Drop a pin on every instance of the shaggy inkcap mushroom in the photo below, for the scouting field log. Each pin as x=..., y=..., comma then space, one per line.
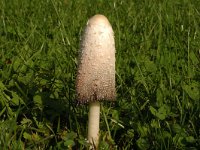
x=96, y=71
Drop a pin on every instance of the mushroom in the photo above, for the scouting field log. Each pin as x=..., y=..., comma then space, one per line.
x=95, y=79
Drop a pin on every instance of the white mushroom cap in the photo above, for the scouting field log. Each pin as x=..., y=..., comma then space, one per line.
x=96, y=71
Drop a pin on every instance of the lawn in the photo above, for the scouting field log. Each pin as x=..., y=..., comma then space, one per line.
x=157, y=75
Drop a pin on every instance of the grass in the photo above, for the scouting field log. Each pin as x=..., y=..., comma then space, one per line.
x=157, y=75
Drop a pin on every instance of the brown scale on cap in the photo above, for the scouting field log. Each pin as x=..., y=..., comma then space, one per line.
x=96, y=71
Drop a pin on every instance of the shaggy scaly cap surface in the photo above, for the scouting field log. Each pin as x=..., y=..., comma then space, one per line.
x=96, y=71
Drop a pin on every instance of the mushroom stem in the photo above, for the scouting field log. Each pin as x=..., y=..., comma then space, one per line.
x=93, y=124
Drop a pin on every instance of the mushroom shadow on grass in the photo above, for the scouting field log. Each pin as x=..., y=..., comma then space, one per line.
x=95, y=80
